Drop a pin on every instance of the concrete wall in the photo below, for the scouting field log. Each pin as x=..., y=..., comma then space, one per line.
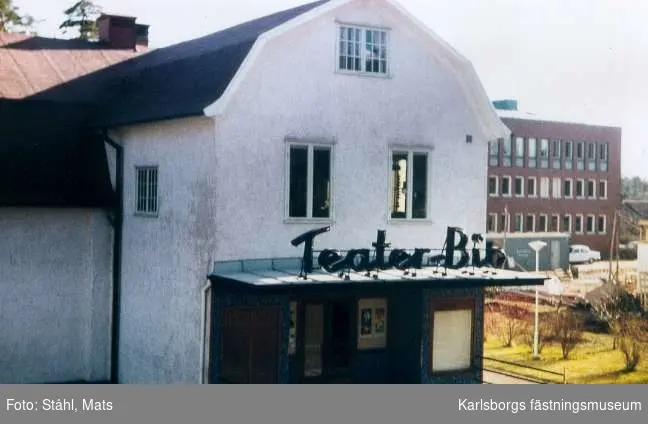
x=55, y=295
x=166, y=258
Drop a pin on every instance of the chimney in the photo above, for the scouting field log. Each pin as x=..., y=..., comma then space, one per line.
x=121, y=32
x=141, y=35
x=508, y=104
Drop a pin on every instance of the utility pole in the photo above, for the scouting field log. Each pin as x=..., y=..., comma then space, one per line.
x=617, y=217
x=506, y=226
x=613, y=238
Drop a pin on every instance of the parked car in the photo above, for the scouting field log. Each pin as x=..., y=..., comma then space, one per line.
x=579, y=253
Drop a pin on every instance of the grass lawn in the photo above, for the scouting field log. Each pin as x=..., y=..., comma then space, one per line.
x=592, y=362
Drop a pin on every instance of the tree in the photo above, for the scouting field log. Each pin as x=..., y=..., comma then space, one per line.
x=623, y=314
x=634, y=188
x=567, y=328
x=82, y=14
x=616, y=307
x=544, y=332
x=633, y=341
x=511, y=323
x=12, y=20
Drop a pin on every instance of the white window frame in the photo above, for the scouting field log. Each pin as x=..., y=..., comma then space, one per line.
x=496, y=178
x=515, y=223
x=604, y=224
x=605, y=192
x=594, y=189
x=151, y=192
x=495, y=217
x=312, y=145
x=544, y=195
x=535, y=187
x=533, y=226
x=571, y=188
x=556, y=185
x=521, y=180
x=584, y=189
x=438, y=333
x=546, y=226
x=558, y=222
x=579, y=230
x=363, y=53
x=410, y=175
x=569, y=225
x=593, y=229
x=510, y=186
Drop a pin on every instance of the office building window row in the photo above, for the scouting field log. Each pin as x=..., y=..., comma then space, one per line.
x=545, y=153
x=547, y=223
x=546, y=188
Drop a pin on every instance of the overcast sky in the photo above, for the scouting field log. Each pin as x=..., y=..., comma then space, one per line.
x=578, y=60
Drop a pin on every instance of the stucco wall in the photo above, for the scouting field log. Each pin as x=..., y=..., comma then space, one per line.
x=293, y=90
x=55, y=297
x=222, y=182
x=166, y=258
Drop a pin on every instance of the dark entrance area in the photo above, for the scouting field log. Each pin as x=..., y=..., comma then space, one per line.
x=341, y=339
x=328, y=342
x=249, y=345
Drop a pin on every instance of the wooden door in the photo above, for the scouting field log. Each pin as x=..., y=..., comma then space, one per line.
x=250, y=345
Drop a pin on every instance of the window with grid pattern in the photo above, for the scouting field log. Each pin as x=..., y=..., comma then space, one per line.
x=309, y=181
x=362, y=50
x=147, y=190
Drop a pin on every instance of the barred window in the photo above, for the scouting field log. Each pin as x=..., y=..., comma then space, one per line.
x=147, y=190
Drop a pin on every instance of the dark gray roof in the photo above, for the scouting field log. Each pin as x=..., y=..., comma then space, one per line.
x=47, y=158
x=49, y=155
x=176, y=81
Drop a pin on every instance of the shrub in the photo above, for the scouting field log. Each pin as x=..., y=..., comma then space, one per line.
x=567, y=330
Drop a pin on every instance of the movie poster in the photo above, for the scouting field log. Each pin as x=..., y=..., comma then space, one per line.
x=365, y=322
x=379, y=325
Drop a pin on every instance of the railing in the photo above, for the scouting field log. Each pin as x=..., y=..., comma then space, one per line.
x=550, y=375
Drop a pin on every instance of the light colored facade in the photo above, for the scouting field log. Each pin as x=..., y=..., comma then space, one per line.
x=55, y=279
x=295, y=142
x=223, y=181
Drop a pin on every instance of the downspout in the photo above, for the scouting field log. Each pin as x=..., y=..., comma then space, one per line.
x=205, y=330
x=117, y=258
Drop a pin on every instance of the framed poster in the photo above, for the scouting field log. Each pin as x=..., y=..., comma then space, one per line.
x=372, y=323
x=365, y=322
x=379, y=323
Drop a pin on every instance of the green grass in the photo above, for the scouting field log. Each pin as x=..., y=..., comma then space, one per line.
x=593, y=361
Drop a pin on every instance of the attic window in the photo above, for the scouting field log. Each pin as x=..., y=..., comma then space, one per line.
x=147, y=190
x=362, y=50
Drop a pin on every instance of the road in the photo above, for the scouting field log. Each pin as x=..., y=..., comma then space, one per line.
x=491, y=377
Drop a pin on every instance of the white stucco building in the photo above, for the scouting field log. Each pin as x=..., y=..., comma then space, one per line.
x=348, y=113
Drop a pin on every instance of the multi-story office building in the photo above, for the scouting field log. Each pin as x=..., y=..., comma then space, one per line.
x=554, y=176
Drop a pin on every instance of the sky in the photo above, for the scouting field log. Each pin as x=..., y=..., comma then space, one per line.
x=572, y=60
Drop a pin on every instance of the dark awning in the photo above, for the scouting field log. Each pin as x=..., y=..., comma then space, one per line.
x=284, y=274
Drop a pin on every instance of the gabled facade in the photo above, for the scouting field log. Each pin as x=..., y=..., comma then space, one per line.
x=348, y=114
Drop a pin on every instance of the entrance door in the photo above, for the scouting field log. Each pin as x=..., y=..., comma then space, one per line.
x=328, y=341
x=555, y=254
x=338, y=362
x=249, y=345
